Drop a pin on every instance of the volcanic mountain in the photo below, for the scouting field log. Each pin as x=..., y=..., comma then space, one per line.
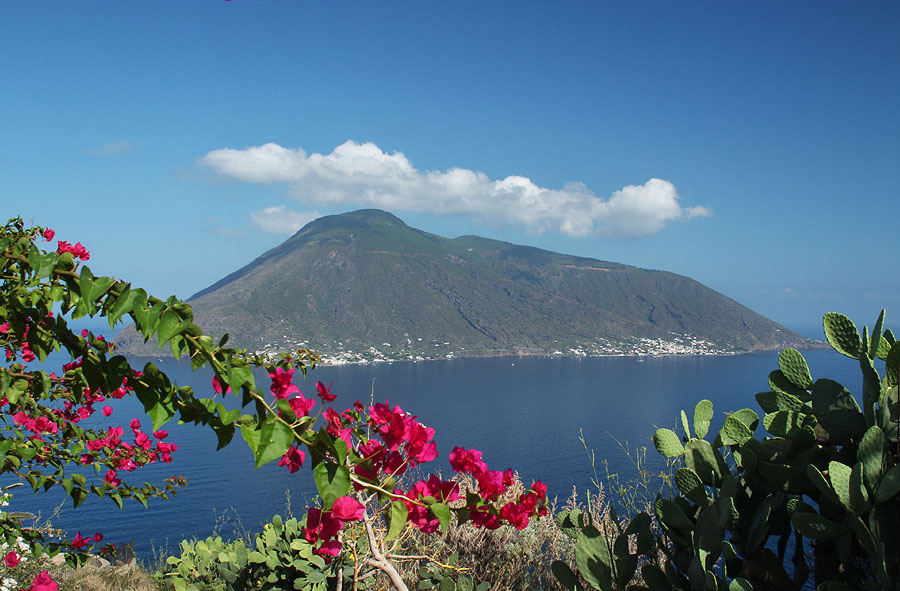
x=364, y=285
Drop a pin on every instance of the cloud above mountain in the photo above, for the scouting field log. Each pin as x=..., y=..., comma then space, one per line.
x=364, y=175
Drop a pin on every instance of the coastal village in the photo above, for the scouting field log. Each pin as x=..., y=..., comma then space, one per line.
x=340, y=354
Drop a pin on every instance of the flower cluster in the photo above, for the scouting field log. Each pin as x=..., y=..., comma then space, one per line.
x=386, y=442
x=323, y=526
x=78, y=251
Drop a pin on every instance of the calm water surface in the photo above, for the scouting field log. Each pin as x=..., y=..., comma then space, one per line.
x=523, y=413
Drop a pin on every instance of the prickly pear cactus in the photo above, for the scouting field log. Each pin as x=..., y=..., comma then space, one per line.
x=607, y=561
x=824, y=472
x=209, y=564
x=283, y=559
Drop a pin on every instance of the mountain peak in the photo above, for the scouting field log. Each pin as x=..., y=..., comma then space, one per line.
x=352, y=219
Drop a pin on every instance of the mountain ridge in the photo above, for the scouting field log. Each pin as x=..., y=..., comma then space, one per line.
x=364, y=285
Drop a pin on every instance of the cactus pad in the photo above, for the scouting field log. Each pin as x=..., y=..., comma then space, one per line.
x=842, y=334
x=668, y=443
x=795, y=369
x=703, y=414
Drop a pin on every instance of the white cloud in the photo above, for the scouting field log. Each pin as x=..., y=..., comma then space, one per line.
x=113, y=148
x=281, y=220
x=364, y=175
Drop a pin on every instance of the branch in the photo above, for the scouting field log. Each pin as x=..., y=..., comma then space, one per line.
x=378, y=560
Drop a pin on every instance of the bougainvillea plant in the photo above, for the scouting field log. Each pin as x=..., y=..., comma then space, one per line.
x=357, y=455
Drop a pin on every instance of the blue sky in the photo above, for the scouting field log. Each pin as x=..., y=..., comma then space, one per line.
x=751, y=146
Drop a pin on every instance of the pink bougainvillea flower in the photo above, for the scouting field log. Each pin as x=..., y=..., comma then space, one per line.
x=467, y=460
x=98, y=537
x=78, y=251
x=348, y=509
x=43, y=582
x=328, y=549
x=321, y=526
x=11, y=559
x=292, y=459
x=217, y=386
x=79, y=542
x=4, y=328
x=111, y=478
x=161, y=434
x=49, y=234
x=516, y=515
x=490, y=484
x=107, y=410
x=281, y=383
x=134, y=424
x=301, y=406
x=325, y=393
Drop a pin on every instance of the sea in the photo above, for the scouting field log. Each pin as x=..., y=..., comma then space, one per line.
x=566, y=421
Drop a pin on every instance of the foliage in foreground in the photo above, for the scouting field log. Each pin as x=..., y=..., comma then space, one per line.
x=357, y=455
x=817, y=497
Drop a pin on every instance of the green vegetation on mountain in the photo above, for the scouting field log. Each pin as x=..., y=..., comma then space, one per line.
x=365, y=280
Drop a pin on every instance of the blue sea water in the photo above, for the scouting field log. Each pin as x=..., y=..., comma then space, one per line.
x=524, y=413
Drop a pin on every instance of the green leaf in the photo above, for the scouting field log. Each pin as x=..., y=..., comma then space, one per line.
x=442, y=512
x=160, y=413
x=251, y=436
x=668, y=443
x=169, y=326
x=79, y=495
x=842, y=334
x=397, y=516
x=274, y=440
x=703, y=414
x=332, y=481
x=794, y=368
x=46, y=265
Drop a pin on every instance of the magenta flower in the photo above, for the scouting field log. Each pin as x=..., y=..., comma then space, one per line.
x=467, y=460
x=281, y=383
x=292, y=459
x=43, y=582
x=325, y=393
x=516, y=515
x=217, y=386
x=348, y=509
x=301, y=405
x=79, y=542
x=11, y=559
x=161, y=434
x=49, y=234
x=107, y=410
